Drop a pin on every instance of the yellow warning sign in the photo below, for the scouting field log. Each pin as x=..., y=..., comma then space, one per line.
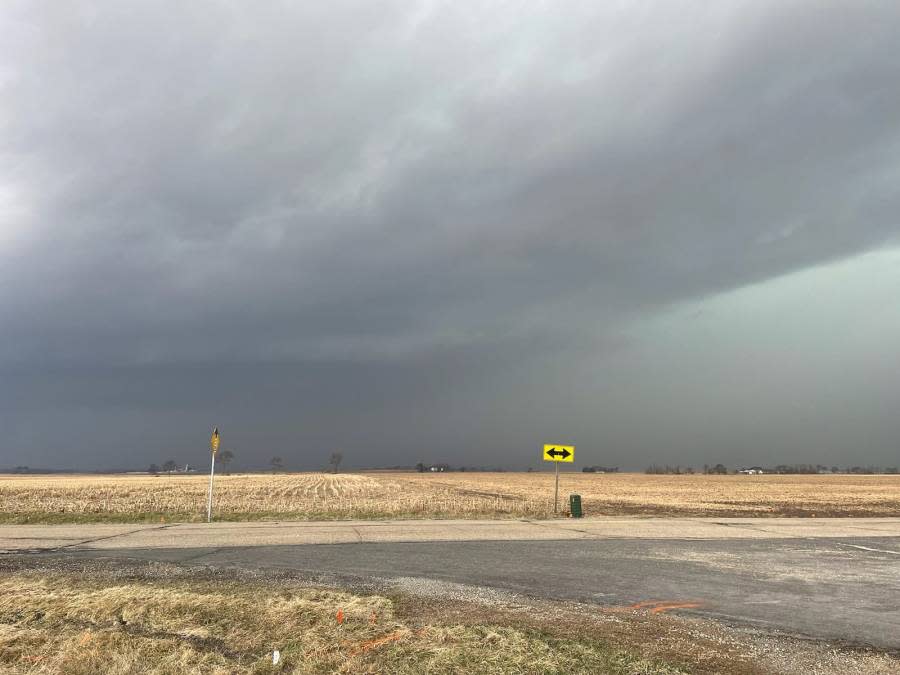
x=214, y=440
x=559, y=453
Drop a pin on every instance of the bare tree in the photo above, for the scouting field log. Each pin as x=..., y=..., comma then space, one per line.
x=169, y=465
x=335, y=461
x=277, y=463
x=225, y=458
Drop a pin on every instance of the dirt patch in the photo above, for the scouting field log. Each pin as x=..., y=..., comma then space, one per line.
x=695, y=645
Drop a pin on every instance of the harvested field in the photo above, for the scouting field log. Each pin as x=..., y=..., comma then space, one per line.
x=127, y=498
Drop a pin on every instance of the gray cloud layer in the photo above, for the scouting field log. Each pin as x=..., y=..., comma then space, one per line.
x=367, y=224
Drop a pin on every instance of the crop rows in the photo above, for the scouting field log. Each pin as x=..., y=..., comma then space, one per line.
x=449, y=495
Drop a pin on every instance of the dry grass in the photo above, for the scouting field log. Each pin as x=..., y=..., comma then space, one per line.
x=58, y=615
x=64, y=623
x=448, y=495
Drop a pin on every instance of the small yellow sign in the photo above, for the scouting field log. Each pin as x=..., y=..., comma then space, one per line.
x=559, y=453
x=214, y=440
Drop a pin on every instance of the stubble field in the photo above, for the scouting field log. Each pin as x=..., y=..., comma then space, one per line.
x=309, y=496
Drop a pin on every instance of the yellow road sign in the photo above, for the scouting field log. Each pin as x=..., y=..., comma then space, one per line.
x=214, y=440
x=559, y=453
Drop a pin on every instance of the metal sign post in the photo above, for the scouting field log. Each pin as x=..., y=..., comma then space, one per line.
x=556, y=491
x=557, y=454
x=214, y=446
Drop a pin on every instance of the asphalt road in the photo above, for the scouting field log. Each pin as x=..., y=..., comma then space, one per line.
x=840, y=588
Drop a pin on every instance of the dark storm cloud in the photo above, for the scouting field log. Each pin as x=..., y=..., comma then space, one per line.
x=398, y=206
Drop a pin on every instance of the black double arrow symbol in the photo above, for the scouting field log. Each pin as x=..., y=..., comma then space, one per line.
x=558, y=453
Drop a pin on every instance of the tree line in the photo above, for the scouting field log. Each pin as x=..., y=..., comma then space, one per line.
x=226, y=457
x=797, y=469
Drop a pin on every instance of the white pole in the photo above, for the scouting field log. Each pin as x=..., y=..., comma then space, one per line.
x=212, y=471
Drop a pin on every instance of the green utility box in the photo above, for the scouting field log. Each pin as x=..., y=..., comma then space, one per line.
x=575, y=506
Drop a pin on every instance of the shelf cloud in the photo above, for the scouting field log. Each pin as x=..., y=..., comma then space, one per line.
x=425, y=231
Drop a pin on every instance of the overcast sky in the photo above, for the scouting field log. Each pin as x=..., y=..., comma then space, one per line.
x=449, y=231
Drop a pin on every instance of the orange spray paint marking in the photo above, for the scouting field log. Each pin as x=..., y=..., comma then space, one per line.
x=659, y=606
x=675, y=605
x=369, y=645
x=373, y=619
x=340, y=617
